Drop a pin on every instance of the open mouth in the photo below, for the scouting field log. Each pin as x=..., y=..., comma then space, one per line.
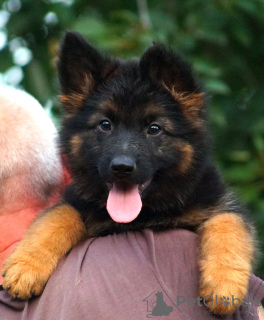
x=141, y=187
x=124, y=202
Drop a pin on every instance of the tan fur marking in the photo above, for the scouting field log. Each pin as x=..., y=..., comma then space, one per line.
x=186, y=152
x=95, y=119
x=153, y=110
x=187, y=156
x=37, y=255
x=108, y=106
x=87, y=84
x=72, y=102
x=103, y=108
x=225, y=261
x=167, y=124
x=192, y=103
x=76, y=143
x=158, y=112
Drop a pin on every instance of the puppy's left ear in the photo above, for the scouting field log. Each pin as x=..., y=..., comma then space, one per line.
x=164, y=66
x=81, y=69
x=168, y=70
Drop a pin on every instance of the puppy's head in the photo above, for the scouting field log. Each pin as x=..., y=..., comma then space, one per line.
x=134, y=131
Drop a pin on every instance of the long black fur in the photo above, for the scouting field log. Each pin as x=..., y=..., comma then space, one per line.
x=131, y=87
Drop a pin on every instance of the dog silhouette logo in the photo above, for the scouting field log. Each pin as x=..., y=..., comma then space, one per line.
x=156, y=305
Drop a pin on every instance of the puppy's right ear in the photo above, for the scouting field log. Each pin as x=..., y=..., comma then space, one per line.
x=81, y=69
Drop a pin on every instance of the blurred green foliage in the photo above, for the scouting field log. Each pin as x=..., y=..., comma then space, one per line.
x=224, y=40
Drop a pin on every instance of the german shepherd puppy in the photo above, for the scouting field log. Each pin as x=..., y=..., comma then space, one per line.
x=136, y=141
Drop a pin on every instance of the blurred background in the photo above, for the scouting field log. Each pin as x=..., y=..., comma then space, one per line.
x=223, y=39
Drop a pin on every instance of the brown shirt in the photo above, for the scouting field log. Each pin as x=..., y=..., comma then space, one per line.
x=129, y=276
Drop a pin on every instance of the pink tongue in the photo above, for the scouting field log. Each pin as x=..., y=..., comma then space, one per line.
x=124, y=205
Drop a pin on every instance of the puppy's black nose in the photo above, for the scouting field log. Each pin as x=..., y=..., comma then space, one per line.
x=123, y=165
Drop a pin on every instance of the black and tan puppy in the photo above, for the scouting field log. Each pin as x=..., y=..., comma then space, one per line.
x=136, y=141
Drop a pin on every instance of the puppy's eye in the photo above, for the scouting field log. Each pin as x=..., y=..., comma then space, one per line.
x=105, y=125
x=154, y=129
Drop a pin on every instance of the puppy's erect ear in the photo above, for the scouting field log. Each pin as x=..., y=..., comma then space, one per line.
x=81, y=69
x=168, y=70
x=163, y=66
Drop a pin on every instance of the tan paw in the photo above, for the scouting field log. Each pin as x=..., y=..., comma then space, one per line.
x=226, y=256
x=223, y=289
x=24, y=276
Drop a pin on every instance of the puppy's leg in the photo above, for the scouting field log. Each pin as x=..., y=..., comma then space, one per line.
x=52, y=235
x=227, y=249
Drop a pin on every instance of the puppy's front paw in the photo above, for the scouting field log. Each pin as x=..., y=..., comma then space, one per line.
x=25, y=276
x=226, y=257
x=223, y=288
